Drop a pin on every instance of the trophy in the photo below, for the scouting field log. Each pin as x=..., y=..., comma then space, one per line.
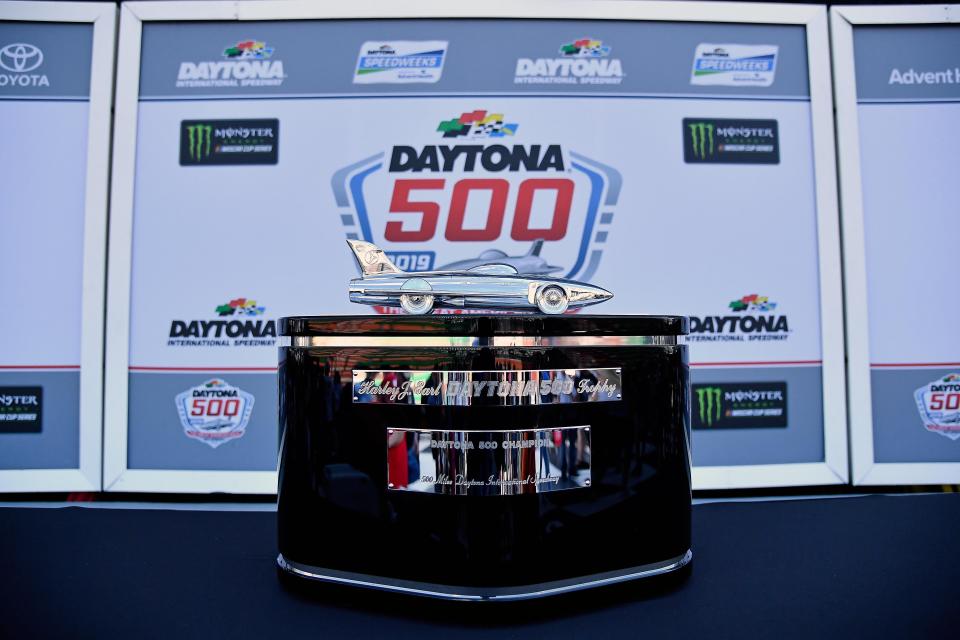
x=482, y=456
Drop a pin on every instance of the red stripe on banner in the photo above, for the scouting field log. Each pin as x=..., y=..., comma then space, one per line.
x=914, y=364
x=39, y=366
x=753, y=364
x=202, y=368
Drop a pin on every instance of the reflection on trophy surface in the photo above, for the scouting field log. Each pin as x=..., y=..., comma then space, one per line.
x=498, y=462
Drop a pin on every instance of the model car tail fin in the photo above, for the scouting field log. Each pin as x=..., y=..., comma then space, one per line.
x=535, y=249
x=371, y=258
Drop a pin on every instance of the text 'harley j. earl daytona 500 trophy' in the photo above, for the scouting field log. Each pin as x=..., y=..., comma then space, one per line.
x=486, y=286
x=482, y=456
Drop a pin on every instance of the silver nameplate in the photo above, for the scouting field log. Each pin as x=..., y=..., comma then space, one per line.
x=499, y=388
x=489, y=463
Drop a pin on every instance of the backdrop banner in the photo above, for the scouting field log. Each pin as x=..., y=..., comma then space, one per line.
x=44, y=115
x=908, y=107
x=669, y=162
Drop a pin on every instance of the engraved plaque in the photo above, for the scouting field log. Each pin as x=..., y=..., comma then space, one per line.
x=498, y=388
x=489, y=463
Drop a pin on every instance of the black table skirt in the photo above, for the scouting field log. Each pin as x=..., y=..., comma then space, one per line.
x=848, y=567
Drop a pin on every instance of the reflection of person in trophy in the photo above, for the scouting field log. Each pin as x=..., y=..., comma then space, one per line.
x=581, y=452
x=400, y=379
x=413, y=457
x=483, y=463
x=447, y=461
x=544, y=440
x=440, y=466
x=374, y=378
x=432, y=383
x=567, y=382
x=462, y=380
x=328, y=391
x=568, y=453
x=384, y=380
x=528, y=462
x=545, y=398
x=336, y=377
x=397, y=458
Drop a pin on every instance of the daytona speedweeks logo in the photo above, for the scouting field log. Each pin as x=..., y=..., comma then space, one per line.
x=477, y=187
x=237, y=323
x=939, y=405
x=751, y=318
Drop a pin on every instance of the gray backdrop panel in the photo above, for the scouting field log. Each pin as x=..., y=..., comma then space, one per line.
x=319, y=57
x=57, y=446
x=156, y=439
x=800, y=441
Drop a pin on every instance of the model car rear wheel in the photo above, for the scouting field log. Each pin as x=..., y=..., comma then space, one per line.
x=416, y=303
x=552, y=300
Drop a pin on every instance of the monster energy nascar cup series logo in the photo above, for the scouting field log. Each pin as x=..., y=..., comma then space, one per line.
x=727, y=141
x=219, y=142
x=740, y=405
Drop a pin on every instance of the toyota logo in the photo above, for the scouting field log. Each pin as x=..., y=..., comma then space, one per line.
x=20, y=57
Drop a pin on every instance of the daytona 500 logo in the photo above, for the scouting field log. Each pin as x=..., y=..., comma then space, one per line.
x=939, y=405
x=478, y=191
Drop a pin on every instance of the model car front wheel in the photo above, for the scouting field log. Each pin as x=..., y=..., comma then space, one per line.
x=416, y=303
x=552, y=300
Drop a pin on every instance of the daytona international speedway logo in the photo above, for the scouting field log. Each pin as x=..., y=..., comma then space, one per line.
x=585, y=61
x=750, y=318
x=248, y=63
x=239, y=322
x=471, y=189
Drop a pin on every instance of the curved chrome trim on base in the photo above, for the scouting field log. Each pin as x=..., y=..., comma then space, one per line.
x=476, y=341
x=478, y=594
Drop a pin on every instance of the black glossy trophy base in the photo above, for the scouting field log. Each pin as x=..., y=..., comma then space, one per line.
x=504, y=594
x=483, y=457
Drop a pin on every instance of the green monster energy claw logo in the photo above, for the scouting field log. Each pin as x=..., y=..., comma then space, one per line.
x=708, y=399
x=199, y=139
x=701, y=136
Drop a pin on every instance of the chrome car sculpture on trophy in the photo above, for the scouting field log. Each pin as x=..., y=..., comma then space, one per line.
x=491, y=285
